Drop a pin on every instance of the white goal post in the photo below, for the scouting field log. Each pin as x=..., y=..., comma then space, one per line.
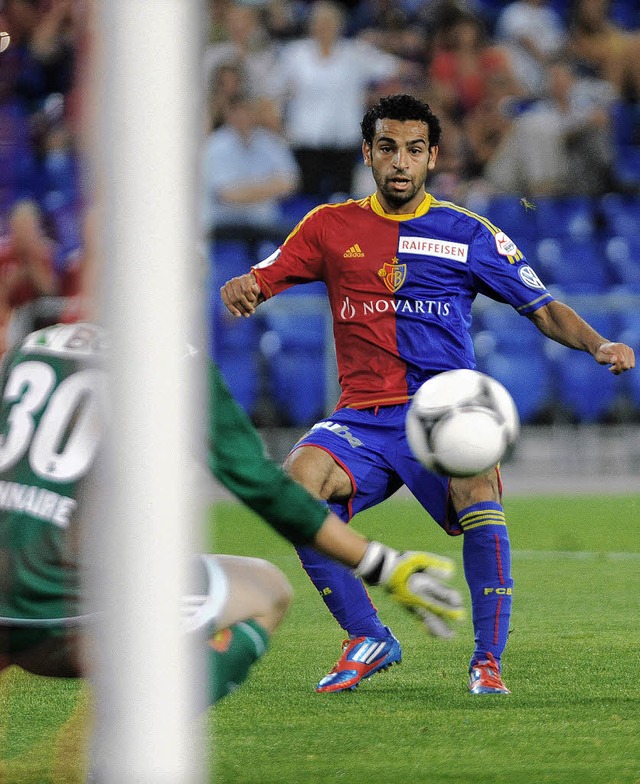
x=146, y=142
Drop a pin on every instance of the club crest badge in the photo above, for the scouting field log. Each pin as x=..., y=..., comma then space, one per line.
x=221, y=641
x=393, y=274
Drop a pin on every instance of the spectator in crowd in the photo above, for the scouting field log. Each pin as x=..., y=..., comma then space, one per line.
x=282, y=20
x=248, y=44
x=26, y=266
x=603, y=48
x=53, y=39
x=534, y=33
x=484, y=130
x=464, y=64
x=561, y=145
x=228, y=80
x=36, y=62
x=247, y=170
x=390, y=26
x=37, y=161
x=217, y=11
x=327, y=76
x=39, y=57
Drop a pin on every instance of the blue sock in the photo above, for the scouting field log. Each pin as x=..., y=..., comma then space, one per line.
x=486, y=555
x=344, y=595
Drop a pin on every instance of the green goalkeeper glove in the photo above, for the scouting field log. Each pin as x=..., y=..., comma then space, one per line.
x=414, y=579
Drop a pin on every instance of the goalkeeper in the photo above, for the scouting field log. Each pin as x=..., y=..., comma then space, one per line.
x=237, y=458
x=41, y=625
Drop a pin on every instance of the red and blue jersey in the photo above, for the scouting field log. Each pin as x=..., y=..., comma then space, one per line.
x=401, y=288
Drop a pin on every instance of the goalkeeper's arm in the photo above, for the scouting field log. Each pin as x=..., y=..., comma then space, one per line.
x=414, y=579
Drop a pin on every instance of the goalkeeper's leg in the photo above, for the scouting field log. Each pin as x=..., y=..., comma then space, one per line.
x=255, y=589
x=256, y=597
x=232, y=652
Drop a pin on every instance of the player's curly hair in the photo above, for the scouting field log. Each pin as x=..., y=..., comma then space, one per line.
x=401, y=107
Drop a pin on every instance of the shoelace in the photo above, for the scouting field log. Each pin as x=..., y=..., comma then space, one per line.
x=345, y=645
x=489, y=673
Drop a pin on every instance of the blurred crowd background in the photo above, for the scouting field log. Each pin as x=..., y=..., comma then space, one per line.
x=540, y=106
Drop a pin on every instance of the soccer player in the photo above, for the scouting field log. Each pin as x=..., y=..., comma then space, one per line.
x=238, y=460
x=50, y=432
x=402, y=270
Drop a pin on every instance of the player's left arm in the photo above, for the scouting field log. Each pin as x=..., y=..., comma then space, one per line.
x=562, y=324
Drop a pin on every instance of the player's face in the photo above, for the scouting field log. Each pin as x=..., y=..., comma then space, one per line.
x=400, y=158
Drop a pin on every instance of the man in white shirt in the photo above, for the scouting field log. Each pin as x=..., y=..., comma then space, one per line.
x=327, y=77
x=534, y=33
x=247, y=170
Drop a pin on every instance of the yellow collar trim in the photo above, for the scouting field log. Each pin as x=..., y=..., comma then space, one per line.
x=422, y=208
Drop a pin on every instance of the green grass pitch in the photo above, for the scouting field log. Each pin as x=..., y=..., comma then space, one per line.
x=573, y=665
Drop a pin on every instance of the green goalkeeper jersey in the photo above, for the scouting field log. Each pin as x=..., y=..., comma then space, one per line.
x=50, y=431
x=51, y=423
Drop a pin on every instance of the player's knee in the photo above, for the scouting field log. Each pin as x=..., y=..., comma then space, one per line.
x=475, y=489
x=259, y=589
x=316, y=470
x=280, y=595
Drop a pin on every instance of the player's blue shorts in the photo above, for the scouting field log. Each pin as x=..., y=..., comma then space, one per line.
x=371, y=446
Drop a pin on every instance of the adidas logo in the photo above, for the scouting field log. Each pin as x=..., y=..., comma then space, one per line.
x=354, y=252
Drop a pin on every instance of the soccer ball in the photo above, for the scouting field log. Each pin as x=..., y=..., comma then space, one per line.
x=461, y=423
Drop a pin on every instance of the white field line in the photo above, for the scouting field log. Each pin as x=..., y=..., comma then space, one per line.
x=576, y=555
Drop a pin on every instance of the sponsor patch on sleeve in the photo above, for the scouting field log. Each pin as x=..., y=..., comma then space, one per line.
x=505, y=245
x=529, y=277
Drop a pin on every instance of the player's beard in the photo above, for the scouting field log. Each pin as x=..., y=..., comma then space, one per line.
x=395, y=198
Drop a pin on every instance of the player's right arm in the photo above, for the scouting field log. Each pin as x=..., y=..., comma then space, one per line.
x=300, y=259
x=242, y=295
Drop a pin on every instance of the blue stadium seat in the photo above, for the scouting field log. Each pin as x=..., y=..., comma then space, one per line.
x=21, y=173
x=601, y=318
x=296, y=365
x=511, y=331
x=263, y=250
x=623, y=257
x=629, y=322
x=240, y=372
x=625, y=121
x=585, y=388
x=625, y=13
x=577, y=266
x=627, y=164
x=315, y=289
x=526, y=374
x=567, y=217
x=297, y=206
x=621, y=214
x=511, y=216
x=234, y=344
x=62, y=176
x=229, y=258
x=511, y=349
x=548, y=256
x=630, y=334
